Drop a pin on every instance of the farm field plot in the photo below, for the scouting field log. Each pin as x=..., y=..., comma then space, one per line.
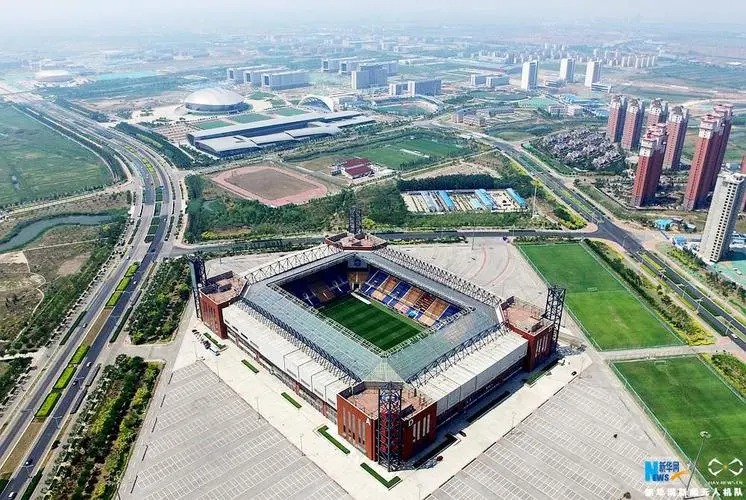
x=36, y=162
x=613, y=317
x=249, y=118
x=686, y=397
x=372, y=322
x=211, y=124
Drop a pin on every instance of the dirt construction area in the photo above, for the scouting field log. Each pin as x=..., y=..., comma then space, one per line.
x=270, y=185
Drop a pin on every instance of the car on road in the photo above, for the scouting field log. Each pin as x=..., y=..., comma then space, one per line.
x=88, y=365
x=28, y=462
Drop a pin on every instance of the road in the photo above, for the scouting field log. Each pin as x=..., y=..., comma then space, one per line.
x=133, y=153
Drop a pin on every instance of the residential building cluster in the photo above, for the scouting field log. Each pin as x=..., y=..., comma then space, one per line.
x=582, y=148
x=659, y=133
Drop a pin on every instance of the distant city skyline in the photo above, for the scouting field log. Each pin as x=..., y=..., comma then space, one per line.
x=80, y=15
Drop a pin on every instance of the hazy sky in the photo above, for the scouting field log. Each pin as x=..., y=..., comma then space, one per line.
x=35, y=17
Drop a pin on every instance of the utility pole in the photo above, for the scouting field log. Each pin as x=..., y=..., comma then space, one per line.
x=704, y=435
x=533, y=209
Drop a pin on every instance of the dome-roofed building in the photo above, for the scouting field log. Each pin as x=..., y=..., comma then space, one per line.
x=53, y=76
x=214, y=100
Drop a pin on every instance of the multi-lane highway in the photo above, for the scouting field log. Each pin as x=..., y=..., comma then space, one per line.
x=134, y=155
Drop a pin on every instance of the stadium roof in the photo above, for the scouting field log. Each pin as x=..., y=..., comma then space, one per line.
x=258, y=128
x=239, y=143
x=403, y=362
x=213, y=97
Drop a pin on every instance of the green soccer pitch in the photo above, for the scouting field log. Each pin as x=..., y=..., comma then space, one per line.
x=612, y=316
x=373, y=322
x=687, y=397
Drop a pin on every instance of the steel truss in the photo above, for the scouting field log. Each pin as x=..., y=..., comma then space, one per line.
x=455, y=355
x=341, y=329
x=440, y=275
x=355, y=221
x=299, y=340
x=289, y=262
x=389, y=425
x=199, y=278
x=553, y=310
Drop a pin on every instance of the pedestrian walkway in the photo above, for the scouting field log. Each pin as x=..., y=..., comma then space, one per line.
x=662, y=352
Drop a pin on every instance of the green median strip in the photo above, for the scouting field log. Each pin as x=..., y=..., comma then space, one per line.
x=114, y=299
x=131, y=270
x=123, y=284
x=48, y=405
x=323, y=430
x=65, y=377
x=388, y=484
x=62, y=382
x=122, y=322
x=29, y=492
x=290, y=400
x=80, y=353
x=250, y=366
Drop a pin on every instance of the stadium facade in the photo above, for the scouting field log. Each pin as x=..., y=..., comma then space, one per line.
x=448, y=343
x=215, y=100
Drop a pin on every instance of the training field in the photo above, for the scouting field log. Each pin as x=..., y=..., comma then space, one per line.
x=249, y=118
x=373, y=322
x=37, y=163
x=687, y=397
x=272, y=186
x=211, y=124
x=287, y=111
x=612, y=316
x=396, y=154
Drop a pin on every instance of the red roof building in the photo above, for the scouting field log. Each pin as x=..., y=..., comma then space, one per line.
x=354, y=162
x=359, y=171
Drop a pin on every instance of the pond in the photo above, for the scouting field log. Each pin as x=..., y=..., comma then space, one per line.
x=33, y=230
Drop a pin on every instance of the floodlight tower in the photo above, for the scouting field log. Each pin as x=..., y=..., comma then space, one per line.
x=389, y=425
x=355, y=221
x=199, y=278
x=553, y=310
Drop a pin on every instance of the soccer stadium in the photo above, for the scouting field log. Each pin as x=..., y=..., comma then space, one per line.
x=387, y=346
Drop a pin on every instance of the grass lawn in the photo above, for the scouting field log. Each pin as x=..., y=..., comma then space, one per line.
x=288, y=111
x=260, y=95
x=687, y=397
x=36, y=162
x=613, y=317
x=373, y=322
x=396, y=153
x=249, y=118
x=211, y=124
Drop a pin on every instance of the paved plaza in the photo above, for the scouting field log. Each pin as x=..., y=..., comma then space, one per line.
x=204, y=441
x=584, y=443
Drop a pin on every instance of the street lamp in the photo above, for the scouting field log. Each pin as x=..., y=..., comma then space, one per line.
x=704, y=435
